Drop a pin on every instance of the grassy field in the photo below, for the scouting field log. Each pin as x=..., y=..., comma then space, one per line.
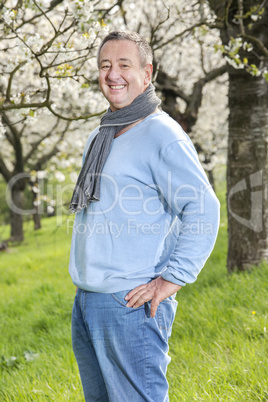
x=218, y=346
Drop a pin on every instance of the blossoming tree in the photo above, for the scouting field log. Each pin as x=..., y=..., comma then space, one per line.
x=49, y=79
x=46, y=53
x=188, y=71
x=242, y=25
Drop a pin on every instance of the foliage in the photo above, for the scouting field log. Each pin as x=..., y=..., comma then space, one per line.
x=244, y=45
x=46, y=52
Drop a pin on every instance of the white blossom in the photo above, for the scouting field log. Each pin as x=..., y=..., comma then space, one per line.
x=238, y=65
x=16, y=98
x=59, y=176
x=36, y=203
x=35, y=189
x=73, y=177
x=35, y=42
x=247, y=46
x=2, y=130
x=82, y=10
x=50, y=209
x=254, y=17
x=41, y=174
x=75, y=97
x=9, y=16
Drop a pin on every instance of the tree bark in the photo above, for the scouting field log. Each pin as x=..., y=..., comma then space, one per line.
x=16, y=219
x=37, y=220
x=247, y=171
x=36, y=215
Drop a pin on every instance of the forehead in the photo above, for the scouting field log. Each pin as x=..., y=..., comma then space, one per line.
x=118, y=49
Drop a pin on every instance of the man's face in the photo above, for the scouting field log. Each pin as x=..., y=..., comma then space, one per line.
x=121, y=76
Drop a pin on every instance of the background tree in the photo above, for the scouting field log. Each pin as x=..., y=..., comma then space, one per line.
x=188, y=74
x=243, y=29
x=46, y=50
x=49, y=77
x=185, y=66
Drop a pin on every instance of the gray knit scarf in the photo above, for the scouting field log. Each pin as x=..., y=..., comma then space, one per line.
x=87, y=188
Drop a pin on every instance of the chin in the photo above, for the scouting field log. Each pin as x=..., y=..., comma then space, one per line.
x=117, y=106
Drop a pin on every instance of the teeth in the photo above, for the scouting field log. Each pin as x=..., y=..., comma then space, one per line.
x=117, y=86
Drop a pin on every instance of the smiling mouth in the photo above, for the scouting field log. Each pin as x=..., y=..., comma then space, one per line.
x=117, y=86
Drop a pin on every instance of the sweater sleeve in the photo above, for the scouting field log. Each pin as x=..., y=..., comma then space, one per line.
x=185, y=189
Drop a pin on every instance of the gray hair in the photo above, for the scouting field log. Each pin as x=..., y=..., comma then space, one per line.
x=145, y=50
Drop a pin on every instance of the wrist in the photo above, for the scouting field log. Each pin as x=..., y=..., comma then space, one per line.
x=173, y=287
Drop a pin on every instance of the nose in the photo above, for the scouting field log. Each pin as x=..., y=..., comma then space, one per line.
x=112, y=74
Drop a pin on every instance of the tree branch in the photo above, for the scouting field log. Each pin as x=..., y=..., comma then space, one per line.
x=16, y=144
x=48, y=45
x=37, y=143
x=166, y=83
x=54, y=150
x=257, y=42
x=241, y=16
x=196, y=96
x=53, y=4
x=63, y=62
x=198, y=24
x=11, y=78
x=251, y=38
x=24, y=106
x=4, y=170
x=193, y=101
x=161, y=22
x=45, y=15
x=106, y=11
x=84, y=117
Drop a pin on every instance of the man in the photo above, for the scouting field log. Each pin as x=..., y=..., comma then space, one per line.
x=147, y=221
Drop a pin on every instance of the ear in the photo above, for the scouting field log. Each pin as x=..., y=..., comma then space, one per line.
x=148, y=71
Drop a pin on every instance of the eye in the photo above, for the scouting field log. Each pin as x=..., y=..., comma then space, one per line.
x=124, y=66
x=105, y=67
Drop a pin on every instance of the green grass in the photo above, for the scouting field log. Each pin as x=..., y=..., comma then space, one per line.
x=218, y=345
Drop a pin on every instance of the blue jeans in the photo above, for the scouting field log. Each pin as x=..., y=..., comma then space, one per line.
x=122, y=353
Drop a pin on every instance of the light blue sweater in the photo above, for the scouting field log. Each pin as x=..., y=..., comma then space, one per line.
x=157, y=214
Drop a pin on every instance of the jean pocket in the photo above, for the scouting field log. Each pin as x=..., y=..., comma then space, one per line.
x=119, y=297
x=166, y=312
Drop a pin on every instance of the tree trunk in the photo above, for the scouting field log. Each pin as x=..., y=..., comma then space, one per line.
x=37, y=220
x=247, y=171
x=211, y=179
x=37, y=214
x=16, y=218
